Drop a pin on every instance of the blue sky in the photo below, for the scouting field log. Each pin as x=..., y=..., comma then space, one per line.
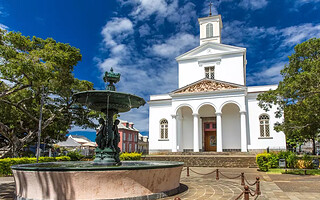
x=141, y=38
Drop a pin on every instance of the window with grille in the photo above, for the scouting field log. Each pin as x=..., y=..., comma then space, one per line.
x=209, y=72
x=264, y=126
x=164, y=129
x=123, y=147
x=209, y=30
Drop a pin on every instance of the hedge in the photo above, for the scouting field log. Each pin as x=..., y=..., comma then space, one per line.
x=265, y=161
x=6, y=163
x=130, y=156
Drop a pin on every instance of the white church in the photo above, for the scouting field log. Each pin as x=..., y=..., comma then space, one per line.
x=213, y=109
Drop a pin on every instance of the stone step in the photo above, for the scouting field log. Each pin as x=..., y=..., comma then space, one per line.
x=206, y=153
x=209, y=161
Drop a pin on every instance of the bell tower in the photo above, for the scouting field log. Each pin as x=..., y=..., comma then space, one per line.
x=210, y=28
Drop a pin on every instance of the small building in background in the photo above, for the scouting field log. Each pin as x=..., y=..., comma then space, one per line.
x=143, y=144
x=78, y=142
x=128, y=136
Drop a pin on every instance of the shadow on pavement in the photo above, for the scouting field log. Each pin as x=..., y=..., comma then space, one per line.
x=7, y=191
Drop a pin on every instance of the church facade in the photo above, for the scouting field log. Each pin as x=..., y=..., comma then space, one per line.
x=213, y=109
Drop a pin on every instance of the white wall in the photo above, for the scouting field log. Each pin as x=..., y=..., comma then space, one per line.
x=276, y=140
x=158, y=111
x=230, y=69
x=231, y=128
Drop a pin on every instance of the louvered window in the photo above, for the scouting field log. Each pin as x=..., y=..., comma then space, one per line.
x=164, y=129
x=264, y=126
x=209, y=30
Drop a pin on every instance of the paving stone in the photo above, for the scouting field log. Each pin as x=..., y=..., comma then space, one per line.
x=206, y=187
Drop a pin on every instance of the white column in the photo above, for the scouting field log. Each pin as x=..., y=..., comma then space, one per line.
x=174, y=133
x=219, y=132
x=200, y=134
x=179, y=130
x=195, y=132
x=243, y=131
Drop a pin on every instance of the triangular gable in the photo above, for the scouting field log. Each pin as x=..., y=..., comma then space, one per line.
x=210, y=48
x=207, y=85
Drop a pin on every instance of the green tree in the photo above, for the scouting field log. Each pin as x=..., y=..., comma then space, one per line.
x=26, y=66
x=298, y=95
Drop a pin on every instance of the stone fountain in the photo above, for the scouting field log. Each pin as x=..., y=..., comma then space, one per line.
x=110, y=102
x=105, y=177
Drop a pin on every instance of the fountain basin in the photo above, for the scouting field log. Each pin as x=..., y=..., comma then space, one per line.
x=88, y=180
x=105, y=99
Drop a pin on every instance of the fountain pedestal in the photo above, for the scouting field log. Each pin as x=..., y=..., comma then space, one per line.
x=106, y=155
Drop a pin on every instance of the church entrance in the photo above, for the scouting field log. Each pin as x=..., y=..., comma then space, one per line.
x=210, y=136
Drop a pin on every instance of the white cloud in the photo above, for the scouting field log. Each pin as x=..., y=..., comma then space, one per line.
x=145, y=8
x=253, y=4
x=144, y=30
x=277, y=42
x=116, y=31
x=3, y=27
x=270, y=75
x=175, y=45
x=301, y=2
x=297, y=34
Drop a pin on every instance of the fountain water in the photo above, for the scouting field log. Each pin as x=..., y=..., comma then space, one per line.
x=105, y=177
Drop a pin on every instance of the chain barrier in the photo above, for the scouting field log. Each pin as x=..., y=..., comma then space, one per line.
x=251, y=184
x=240, y=195
x=201, y=173
x=247, y=190
x=229, y=177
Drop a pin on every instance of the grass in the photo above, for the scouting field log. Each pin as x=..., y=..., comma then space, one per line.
x=294, y=171
x=275, y=171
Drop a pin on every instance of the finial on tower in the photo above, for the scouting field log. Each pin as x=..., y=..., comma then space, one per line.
x=210, y=5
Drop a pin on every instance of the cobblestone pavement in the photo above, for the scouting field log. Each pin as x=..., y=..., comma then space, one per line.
x=202, y=187
x=273, y=186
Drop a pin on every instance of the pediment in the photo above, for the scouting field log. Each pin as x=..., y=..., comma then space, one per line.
x=207, y=85
x=210, y=49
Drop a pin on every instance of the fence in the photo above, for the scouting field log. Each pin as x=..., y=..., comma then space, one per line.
x=246, y=193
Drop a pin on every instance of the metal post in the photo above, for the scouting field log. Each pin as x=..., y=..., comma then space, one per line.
x=188, y=174
x=258, y=192
x=246, y=192
x=242, y=178
x=40, y=123
x=217, y=174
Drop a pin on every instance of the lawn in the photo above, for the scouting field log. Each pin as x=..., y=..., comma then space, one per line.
x=294, y=171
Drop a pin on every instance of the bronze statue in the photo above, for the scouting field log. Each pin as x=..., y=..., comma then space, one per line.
x=100, y=138
x=116, y=141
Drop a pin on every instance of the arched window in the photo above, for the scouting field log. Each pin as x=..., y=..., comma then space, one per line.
x=264, y=125
x=209, y=30
x=164, y=129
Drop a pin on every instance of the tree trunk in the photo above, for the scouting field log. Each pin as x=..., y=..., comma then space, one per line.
x=17, y=143
x=313, y=146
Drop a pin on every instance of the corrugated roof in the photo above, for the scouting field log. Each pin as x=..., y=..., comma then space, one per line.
x=69, y=143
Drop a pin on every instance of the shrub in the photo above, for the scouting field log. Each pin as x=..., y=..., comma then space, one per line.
x=307, y=161
x=75, y=155
x=130, y=156
x=6, y=163
x=284, y=154
x=292, y=160
x=273, y=160
x=262, y=160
